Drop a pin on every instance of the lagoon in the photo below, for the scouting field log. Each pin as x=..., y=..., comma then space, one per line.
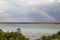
x=32, y=31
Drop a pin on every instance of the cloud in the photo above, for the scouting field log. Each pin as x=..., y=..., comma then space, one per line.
x=8, y=10
x=20, y=10
x=28, y=2
x=20, y=19
x=1, y=11
x=5, y=15
x=4, y=5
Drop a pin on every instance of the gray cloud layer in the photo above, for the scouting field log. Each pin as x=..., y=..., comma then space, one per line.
x=18, y=10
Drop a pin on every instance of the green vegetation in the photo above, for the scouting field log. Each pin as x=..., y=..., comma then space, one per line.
x=19, y=36
x=51, y=37
x=11, y=36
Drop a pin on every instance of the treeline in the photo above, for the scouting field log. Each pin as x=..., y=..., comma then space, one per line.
x=11, y=36
x=50, y=37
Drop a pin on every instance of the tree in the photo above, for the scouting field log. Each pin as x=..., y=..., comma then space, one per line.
x=12, y=36
x=1, y=34
x=50, y=37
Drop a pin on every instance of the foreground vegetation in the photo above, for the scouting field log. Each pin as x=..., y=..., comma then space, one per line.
x=19, y=36
x=51, y=37
x=11, y=36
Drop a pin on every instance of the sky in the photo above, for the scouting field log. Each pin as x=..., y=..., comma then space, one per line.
x=29, y=11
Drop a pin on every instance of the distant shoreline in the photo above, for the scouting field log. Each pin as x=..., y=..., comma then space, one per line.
x=29, y=22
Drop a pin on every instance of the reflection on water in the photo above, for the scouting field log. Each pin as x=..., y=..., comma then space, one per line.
x=32, y=30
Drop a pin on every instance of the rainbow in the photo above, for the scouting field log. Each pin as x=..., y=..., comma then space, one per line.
x=44, y=13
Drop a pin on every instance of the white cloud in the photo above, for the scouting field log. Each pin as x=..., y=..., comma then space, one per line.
x=5, y=15
x=4, y=5
x=10, y=8
x=18, y=19
x=1, y=11
x=28, y=2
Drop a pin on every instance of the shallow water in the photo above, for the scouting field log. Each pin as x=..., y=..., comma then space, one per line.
x=32, y=30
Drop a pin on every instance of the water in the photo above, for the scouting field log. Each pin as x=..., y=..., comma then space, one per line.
x=32, y=31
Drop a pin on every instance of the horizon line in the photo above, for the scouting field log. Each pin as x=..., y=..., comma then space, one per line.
x=29, y=22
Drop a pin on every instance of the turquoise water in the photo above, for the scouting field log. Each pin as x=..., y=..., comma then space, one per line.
x=32, y=30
